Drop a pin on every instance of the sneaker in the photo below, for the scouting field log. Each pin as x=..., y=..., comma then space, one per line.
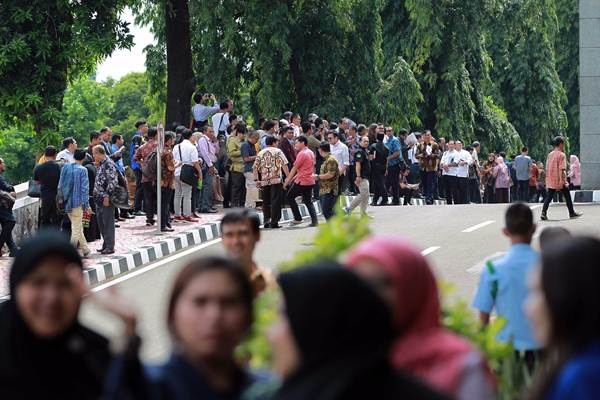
x=575, y=215
x=139, y=214
x=544, y=217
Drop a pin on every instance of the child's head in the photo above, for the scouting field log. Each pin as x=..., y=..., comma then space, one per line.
x=519, y=226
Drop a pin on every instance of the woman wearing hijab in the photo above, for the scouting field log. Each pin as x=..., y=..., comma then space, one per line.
x=44, y=352
x=575, y=173
x=332, y=338
x=502, y=177
x=92, y=231
x=422, y=346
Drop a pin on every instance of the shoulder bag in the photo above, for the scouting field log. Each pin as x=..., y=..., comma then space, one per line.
x=189, y=174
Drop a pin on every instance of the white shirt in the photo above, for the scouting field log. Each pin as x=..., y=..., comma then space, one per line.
x=65, y=155
x=341, y=153
x=188, y=154
x=216, y=119
x=462, y=171
x=411, y=154
x=202, y=112
x=297, y=130
x=448, y=158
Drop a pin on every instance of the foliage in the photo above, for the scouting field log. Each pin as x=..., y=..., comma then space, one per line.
x=43, y=44
x=19, y=150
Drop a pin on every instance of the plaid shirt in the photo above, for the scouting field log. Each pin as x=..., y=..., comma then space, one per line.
x=106, y=179
x=141, y=155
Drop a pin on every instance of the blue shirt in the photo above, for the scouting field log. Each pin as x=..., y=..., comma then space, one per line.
x=510, y=273
x=393, y=145
x=579, y=378
x=74, y=184
x=119, y=162
x=132, y=149
x=248, y=150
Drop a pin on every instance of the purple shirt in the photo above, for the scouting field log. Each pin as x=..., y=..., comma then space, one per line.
x=206, y=151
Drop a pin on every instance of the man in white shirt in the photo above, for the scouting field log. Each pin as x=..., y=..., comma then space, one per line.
x=202, y=112
x=66, y=155
x=449, y=173
x=462, y=160
x=340, y=151
x=220, y=121
x=296, y=122
x=185, y=153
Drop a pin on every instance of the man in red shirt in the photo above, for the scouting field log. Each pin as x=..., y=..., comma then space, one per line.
x=302, y=181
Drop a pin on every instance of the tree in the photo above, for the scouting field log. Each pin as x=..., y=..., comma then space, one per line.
x=43, y=44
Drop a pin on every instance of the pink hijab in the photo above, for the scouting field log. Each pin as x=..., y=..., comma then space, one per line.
x=423, y=346
x=575, y=170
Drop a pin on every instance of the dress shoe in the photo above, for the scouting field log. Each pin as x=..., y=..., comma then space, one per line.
x=210, y=211
x=107, y=252
x=128, y=216
x=575, y=215
x=120, y=219
x=167, y=229
x=190, y=219
x=178, y=218
x=139, y=214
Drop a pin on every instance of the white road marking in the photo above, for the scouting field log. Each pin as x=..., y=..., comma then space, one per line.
x=430, y=250
x=535, y=207
x=157, y=264
x=478, y=226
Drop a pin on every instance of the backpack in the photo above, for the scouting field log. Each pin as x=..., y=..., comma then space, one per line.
x=149, y=169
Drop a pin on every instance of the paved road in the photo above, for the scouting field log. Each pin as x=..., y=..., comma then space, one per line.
x=457, y=239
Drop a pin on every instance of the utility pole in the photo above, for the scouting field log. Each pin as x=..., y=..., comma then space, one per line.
x=161, y=144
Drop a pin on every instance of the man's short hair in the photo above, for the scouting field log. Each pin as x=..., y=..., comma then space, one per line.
x=104, y=130
x=114, y=138
x=152, y=132
x=186, y=134
x=197, y=98
x=169, y=135
x=334, y=133
x=318, y=122
x=524, y=149
x=403, y=132
x=288, y=115
x=269, y=124
x=287, y=129
x=306, y=126
x=476, y=145
x=519, y=219
x=79, y=154
x=558, y=141
x=224, y=104
x=50, y=151
x=241, y=216
x=67, y=142
x=94, y=136
x=326, y=147
x=139, y=123
x=271, y=140
x=99, y=149
x=302, y=139
x=502, y=154
x=253, y=134
x=241, y=128
x=295, y=115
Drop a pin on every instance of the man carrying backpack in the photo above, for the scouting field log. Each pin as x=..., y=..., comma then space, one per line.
x=146, y=156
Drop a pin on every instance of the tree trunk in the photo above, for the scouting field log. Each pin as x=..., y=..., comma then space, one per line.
x=180, y=75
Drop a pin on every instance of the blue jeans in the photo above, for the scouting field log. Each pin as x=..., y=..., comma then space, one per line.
x=428, y=178
x=327, y=204
x=206, y=194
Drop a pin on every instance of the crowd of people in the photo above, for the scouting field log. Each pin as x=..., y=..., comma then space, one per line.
x=378, y=332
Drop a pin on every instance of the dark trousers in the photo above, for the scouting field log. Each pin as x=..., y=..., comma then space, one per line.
x=540, y=195
x=149, y=201
x=407, y=194
x=488, y=195
x=462, y=192
x=327, y=204
x=566, y=195
x=414, y=173
x=49, y=217
x=474, y=191
x=106, y=223
x=379, y=191
x=226, y=189
x=206, y=194
x=523, y=191
x=441, y=186
x=450, y=188
x=501, y=195
x=238, y=189
x=306, y=193
x=166, y=195
x=428, y=178
x=393, y=183
x=351, y=179
x=272, y=196
x=139, y=191
x=6, y=236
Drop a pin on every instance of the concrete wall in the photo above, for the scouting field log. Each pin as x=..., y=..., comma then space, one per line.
x=589, y=82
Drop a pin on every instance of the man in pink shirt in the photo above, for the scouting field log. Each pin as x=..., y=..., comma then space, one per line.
x=556, y=178
x=302, y=181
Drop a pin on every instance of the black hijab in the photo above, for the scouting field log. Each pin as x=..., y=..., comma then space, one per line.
x=70, y=366
x=343, y=331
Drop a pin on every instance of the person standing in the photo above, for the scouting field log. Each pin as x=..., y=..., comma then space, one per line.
x=206, y=151
x=48, y=175
x=106, y=181
x=74, y=184
x=540, y=193
x=269, y=163
x=106, y=136
x=474, y=178
x=7, y=217
x=449, y=174
x=220, y=120
x=185, y=153
x=143, y=157
x=94, y=141
x=167, y=175
x=533, y=181
x=302, y=182
x=353, y=147
x=68, y=149
x=117, y=146
x=328, y=180
x=363, y=171
x=428, y=155
x=286, y=144
x=574, y=173
x=201, y=112
x=462, y=160
x=502, y=181
x=136, y=142
x=341, y=153
x=556, y=179
x=236, y=173
x=394, y=160
x=379, y=171
x=248, y=151
x=522, y=167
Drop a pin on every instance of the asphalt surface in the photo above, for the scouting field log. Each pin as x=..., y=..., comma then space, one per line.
x=456, y=239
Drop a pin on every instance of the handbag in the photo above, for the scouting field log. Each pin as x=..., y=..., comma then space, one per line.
x=188, y=175
x=120, y=196
x=6, y=200
x=34, y=189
